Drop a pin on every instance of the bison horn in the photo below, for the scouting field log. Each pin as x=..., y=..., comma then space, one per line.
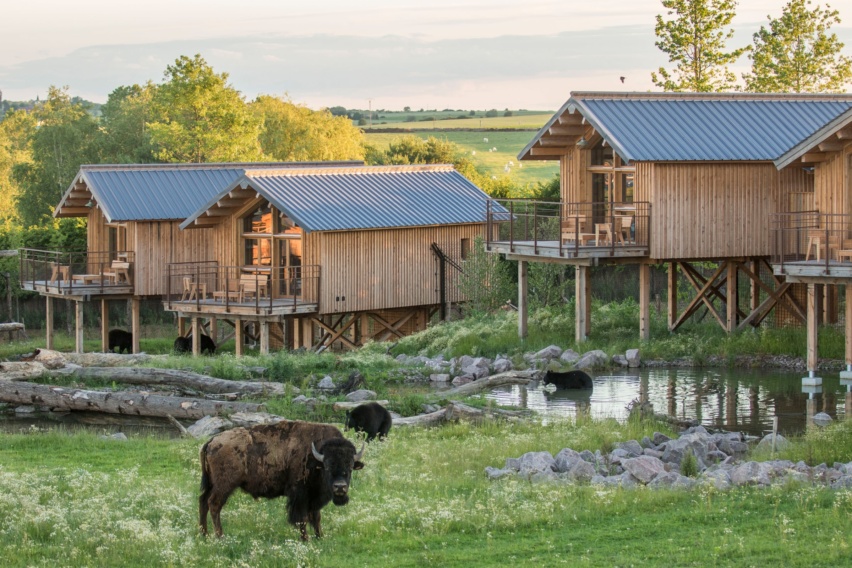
x=319, y=457
x=360, y=454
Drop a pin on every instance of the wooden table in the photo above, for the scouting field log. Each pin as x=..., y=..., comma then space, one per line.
x=60, y=270
x=87, y=279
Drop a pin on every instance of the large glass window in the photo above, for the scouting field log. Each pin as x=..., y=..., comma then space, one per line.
x=611, y=181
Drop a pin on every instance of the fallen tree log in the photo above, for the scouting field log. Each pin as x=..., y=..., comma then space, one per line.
x=487, y=383
x=128, y=403
x=338, y=406
x=171, y=377
x=455, y=411
x=21, y=370
x=430, y=419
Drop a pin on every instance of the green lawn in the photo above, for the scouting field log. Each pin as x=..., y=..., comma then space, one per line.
x=508, y=144
x=528, y=119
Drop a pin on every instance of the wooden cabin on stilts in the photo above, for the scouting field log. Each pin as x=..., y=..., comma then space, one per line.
x=757, y=184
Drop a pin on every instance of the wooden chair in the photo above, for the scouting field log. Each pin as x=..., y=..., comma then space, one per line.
x=253, y=286
x=118, y=272
x=60, y=270
x=574, y=228
x=624, y=228
x=231, y=291
x=193, y=290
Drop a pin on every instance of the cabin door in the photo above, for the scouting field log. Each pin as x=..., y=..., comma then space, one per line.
x=290, y=266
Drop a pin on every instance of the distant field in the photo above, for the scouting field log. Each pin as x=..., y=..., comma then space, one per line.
x=508, y=145
x=521, y=119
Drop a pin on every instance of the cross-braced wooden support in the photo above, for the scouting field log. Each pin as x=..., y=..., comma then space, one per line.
x=717, y=294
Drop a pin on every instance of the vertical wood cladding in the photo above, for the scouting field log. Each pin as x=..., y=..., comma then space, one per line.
x=716, y=210
x=385, y=268
x=831, y=183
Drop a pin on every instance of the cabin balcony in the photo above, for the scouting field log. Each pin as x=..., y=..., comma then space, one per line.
x=205, y=288
x=77, y=274
x=810, y=244
x=590, y=231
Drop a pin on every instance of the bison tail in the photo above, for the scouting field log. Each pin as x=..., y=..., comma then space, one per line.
x=205, y=470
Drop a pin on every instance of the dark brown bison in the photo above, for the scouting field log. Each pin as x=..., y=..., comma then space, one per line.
x=372, y=418
x=310, y=464
x=184, y=344
x=569, y=380
x=121, y=339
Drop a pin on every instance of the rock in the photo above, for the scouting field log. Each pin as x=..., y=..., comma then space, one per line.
x=494, y=473
x=653, y=453
x=249, y=419
x=766, y=443
x=513, y=463
x=476, y=371
x=310, y=403
x=326, y=383
x=565, y=459
x=25, y=409
x=644, y=468
x=548, y=353
x=430, y=408
x=646, y=442
x=581, y=471
x=502, y=366
x=50, y=359
x=532, y=462
x=543, y=476
x=588, y=456
x=715, y=457
x=462, y=380
x=718, y=478
x=671, y=480
x=632, y=446
x=118, y=436
x=593, y=359
x=619, y=360
x=439, y=378
x=569, y=357
x=632, y=356
x=750, y=473
x=361, y=395
x=209, y=426
x=845, y=482
x=660, y=439
x=822, y=419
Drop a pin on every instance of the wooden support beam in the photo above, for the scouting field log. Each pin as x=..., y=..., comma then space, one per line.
x=672, y=299
x=732, y=297
x=333, y=335
x=644, y=302
x=196, y=337
x=214, y=330
x=522, y=299
x=135, y=328
x=754, y=288
x=78, y=326
x=220, y=211
x=264, y=337
x=566, y=130
x=75, y=210
x=581, y=332
x=239, y=337
x=848, y=329
x=104, y=325
x=844, y=133
x=812, y=157
x=394, y=328
x=207, y=221
x=79, y=194
x=830, y=146
x=547, y=152
x=812, y=329
x=549, y=141
x=307, y=333
x=182, y=326
x=48, y=323
x=701, y=296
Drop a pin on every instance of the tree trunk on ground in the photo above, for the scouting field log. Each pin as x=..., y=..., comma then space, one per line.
x=171, y=377
x=487, y=383
x=137, y=404
x=452, y=412
x=338, y=406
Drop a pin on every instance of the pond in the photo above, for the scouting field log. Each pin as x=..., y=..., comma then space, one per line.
x=729, y=399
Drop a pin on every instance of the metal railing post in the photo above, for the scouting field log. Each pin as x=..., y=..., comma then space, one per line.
x=512, y=226
x=535, y=227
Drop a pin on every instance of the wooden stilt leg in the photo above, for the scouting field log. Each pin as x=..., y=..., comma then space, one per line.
x=135, y=328
x=48, y=340
x=78, y=327
x=214, y=330
x=754, y=296
x=672, y=300
x=581, y=300
x=239, y=338
x=522, y=299
x=182, y=326
x=731, y=297
x=104, y=325
x=813, y=349
x=644, y=302
x=196, y=337
x=264, y=338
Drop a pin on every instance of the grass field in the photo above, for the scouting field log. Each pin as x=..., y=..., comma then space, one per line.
x=450, y=119
x=508, y=144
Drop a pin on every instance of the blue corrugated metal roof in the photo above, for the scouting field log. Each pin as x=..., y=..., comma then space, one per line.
x=140, y=192
x=369, y=197
x=705, y=129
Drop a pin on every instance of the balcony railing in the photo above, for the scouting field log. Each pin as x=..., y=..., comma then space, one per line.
x=568, y=229
x=258, y=289
x=68, y=273
x=811, y=238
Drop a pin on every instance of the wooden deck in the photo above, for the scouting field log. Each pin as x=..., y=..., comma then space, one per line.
x=813, y=270
x=540, y=250
x=263, y=307
x=75, y=290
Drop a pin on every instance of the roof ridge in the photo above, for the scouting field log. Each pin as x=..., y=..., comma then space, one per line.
x=359, y=170
x=219, y=165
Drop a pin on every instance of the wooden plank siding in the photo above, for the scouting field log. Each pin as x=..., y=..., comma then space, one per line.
x=830, y=192
x=384, y=268
x=716, y=210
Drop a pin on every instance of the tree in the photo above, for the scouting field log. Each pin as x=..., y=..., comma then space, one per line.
x=796, y=54
x=16, y=131
x=694, y=41
x=291, y=132
x=66, y=137
x=199, y=117
x=125, y=116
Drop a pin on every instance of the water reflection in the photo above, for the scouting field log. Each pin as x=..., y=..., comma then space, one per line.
x=729, y=399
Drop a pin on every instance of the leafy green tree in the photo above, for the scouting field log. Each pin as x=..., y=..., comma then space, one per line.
x=291, y=132
x=486, y=281
x=199, y=117
x=797, y=54
x=66, y=137
x=16, y=131
x=694, y=40
x=126, y=137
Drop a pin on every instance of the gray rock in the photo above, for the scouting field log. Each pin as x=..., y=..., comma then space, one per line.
x=361, y=395
x=588, y=456
x=513, y=463
x=439, y=378
x=548, y=353
x=718, y=478
x=593, y=359
x=476, y=371
x=494, y=473
x=565, y=459
x=429, y=408
x=750, y=473
x=766, y=443
x=632, y=357
x=462, y=380
x=209, y=426
x=822, y=419
x=502, y=366
x=581, y=471
x=326, y=383
x=118, y=436
x=628, y=480
x=671, y=480
x=644, y=468
x=632, y=446
x=25, y=409
x=543, y=476
x=646, y=442
x=569, y=357
x=618, y=454
x=653, y=453
x=660, y=438
x=844, y=482
x=619, y=360
x=532, y=462
x=715, y=457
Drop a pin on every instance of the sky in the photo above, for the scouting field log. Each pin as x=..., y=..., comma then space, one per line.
x=379, y=54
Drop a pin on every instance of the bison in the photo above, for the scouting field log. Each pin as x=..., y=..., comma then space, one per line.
x=372, y=418
x=569, y=380
x=121, y=339
x=310, y=464
x=184, y=344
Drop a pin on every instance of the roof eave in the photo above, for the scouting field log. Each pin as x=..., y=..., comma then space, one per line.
x=796, y=152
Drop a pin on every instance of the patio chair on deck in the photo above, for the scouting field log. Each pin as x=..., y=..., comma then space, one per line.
x=573, y=230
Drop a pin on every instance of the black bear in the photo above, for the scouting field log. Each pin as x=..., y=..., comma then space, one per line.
x=569, y=380
x=184, y=344
x=121, y=339
x=372, y=418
